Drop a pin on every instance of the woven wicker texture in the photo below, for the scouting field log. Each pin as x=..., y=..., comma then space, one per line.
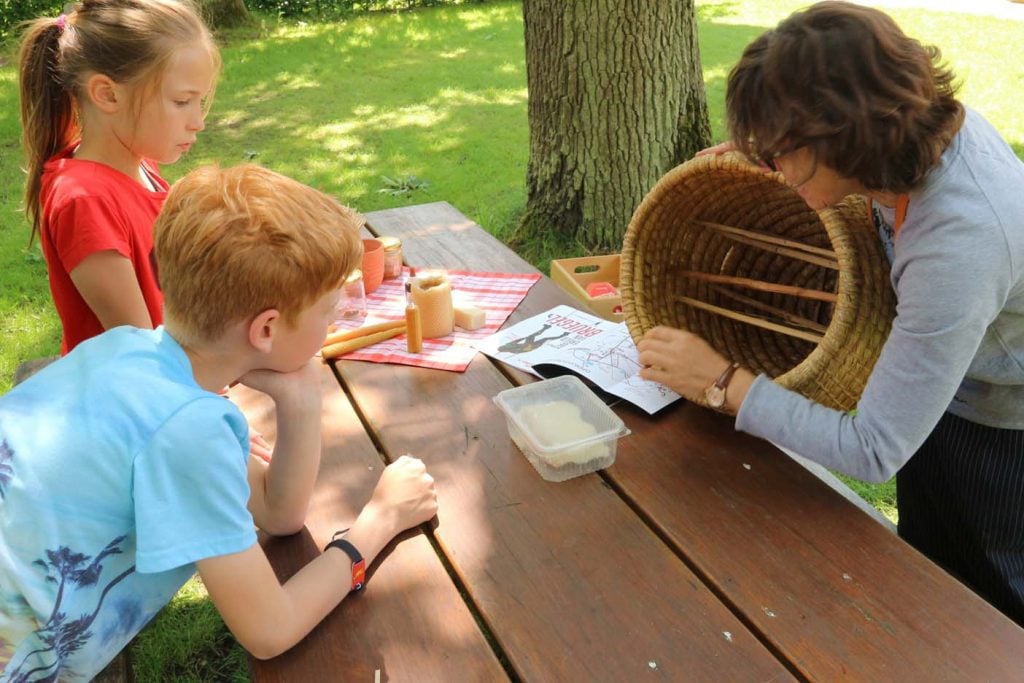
x=827, y=348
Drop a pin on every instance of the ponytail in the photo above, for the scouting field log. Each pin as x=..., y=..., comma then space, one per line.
x=130, y=41
x=47, y=110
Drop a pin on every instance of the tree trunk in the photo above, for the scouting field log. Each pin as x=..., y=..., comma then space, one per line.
x=616, y=99
x=224, y=13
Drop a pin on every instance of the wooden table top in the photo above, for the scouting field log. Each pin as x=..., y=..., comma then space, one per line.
x=702, y=554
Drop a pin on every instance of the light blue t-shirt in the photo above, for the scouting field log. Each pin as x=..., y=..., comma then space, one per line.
x=117, y=473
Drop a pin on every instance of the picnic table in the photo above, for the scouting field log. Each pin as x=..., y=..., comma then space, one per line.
x=702, y=554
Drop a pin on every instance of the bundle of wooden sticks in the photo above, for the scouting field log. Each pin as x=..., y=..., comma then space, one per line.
x=798, y=326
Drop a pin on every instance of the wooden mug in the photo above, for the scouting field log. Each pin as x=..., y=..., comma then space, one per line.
x=373, y=264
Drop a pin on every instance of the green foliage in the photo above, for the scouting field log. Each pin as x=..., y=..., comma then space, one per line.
x=403, y=185
x=13, y=12
x=333, y=8
x=224, y=14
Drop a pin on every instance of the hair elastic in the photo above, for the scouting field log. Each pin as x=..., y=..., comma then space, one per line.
x=62, y=21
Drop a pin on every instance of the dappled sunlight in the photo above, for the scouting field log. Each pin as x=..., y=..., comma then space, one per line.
x=399, y=587
x=255, y=124
x=341, y=128
x=445, y=143
x=417, y=34
x=362, y=29
x=452, y=96
x=296, y=82
x=421, y=115
x=341, y=489
x=716, y=73
x=479, y=19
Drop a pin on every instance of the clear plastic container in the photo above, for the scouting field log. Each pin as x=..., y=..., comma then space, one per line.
x=352, y=302
x=562, y=427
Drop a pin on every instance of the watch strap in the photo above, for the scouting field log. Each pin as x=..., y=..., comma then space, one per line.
x=715, y=395
x=723, y=380
x=358, y=563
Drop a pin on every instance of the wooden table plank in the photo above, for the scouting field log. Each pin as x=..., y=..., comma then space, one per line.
x=410, y=623
x=798, y=559
x=826, y=586
x=569, y=580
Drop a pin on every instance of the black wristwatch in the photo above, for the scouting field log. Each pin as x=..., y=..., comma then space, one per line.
x=358, y=563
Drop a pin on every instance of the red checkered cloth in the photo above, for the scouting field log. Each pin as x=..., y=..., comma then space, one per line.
x=496, y=294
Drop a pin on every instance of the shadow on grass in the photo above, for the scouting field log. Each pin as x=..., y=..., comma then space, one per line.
x=346, y=103
x=438, y=94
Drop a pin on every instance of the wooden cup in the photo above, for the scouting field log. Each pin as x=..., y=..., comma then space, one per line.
x=373, y=264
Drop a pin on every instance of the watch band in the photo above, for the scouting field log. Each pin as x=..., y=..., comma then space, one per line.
x=714, y=395
x=358, y=563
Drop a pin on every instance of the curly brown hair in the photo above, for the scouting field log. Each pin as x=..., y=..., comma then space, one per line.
x=872, y=103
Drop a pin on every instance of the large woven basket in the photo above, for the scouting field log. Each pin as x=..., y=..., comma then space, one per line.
x=716, y=232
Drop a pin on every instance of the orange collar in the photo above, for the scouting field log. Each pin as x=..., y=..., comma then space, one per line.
x=902, y=202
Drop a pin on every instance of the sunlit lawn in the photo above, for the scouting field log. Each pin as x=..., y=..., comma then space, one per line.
x=437, y=94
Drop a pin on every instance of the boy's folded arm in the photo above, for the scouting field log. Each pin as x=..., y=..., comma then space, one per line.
x=266, y=617
x=281, y=490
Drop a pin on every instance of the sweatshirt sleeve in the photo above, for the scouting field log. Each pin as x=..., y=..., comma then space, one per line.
x=952, y=276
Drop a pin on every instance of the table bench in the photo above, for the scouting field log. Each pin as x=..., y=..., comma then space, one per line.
x=702, y=554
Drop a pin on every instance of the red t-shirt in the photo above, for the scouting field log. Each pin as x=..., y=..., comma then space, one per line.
x=89, y=207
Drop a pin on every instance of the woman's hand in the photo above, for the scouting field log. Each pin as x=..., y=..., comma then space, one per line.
x=715, y=150
x=688, y=365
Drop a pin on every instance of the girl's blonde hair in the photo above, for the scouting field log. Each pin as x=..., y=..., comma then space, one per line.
x=130, y=41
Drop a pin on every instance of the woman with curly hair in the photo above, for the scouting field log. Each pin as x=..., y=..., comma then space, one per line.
x=840, y=101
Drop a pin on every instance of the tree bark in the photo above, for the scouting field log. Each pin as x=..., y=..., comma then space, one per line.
x=616, y=99
x=224, y=13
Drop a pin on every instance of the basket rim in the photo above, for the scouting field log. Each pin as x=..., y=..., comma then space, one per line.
x=837, y=222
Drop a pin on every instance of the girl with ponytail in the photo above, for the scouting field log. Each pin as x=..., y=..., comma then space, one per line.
x=108, y=91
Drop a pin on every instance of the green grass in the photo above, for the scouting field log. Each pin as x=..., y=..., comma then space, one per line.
x=435, y=101
x=188, y=642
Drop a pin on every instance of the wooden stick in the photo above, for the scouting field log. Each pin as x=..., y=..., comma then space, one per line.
x=357, y=332
x=752, y=320
x=778, y=312
x=761, y=285
x=343, y=347
x=773, y=239
x=768, y=245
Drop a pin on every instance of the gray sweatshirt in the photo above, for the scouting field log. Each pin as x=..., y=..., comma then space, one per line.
x=957, y=342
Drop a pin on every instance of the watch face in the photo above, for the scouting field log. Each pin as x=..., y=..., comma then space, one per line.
x=715, y=396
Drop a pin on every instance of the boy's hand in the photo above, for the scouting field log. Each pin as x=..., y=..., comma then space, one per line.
x=259, y=447
x=287, y=388
x=405, y=495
